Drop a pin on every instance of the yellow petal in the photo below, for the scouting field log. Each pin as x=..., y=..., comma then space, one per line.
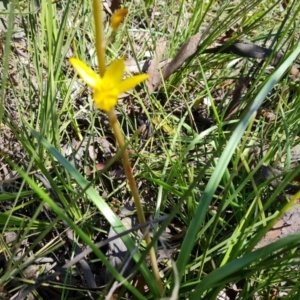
x=90, y=77
x=106, y=99
x=115, y=71
x=117, y=18
x=131, y=82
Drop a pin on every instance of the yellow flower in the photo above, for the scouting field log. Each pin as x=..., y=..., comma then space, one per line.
x=118, y=17
x=107, y=88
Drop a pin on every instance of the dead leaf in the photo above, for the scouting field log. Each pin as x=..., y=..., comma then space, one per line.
x=118, y=254
x=288, y=224
x=188, y=49
x=154, y=70
x=132, y=66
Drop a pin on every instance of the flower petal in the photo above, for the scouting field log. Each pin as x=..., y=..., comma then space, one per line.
x=118, y=17
x=106, y=100
x=131, y=82
x=90, y=77
x=115, y=71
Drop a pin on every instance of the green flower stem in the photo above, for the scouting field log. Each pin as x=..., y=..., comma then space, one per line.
x=139, y=208
x=100, y=42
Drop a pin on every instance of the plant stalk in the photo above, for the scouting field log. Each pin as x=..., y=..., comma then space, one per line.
x=114, y=123
x=99, y=38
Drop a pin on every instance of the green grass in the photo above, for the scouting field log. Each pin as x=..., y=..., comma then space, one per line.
x=205, y=176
